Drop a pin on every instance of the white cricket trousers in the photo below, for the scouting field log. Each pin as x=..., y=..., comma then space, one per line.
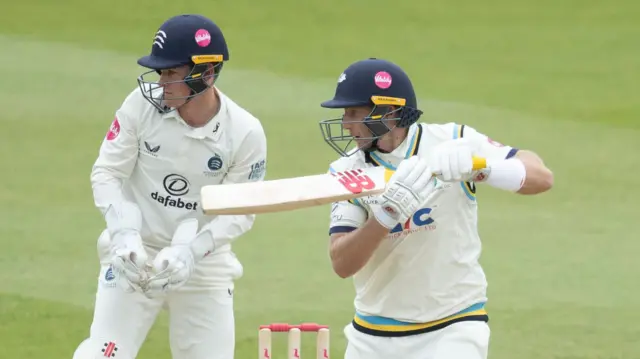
x=462, y=340
x=201, y=319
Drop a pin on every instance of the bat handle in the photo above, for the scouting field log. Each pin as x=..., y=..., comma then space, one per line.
x=479, y=163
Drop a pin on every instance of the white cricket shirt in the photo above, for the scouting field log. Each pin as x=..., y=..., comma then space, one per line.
x=160, y=163
x=427, y=268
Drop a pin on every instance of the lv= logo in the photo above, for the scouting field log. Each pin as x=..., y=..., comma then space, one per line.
x=354, y=180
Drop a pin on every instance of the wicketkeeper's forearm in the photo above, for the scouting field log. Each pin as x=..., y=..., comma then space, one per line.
x=350, y=252
x=219, y=232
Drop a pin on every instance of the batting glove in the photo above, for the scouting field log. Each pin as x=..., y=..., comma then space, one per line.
x=407, y=190
x=452, y=161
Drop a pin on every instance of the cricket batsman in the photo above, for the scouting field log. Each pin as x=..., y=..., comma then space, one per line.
x=413, y=251
x=173, y=134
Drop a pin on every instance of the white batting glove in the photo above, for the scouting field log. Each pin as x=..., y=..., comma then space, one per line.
x=452, y=161
x=128, y=256
x=175, y=264
x=407, y=190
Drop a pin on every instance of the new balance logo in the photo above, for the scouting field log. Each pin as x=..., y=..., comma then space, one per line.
x=354, y=181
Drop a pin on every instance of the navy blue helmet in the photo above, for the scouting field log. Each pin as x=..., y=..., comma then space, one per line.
x=379, y=84
x=192, y=40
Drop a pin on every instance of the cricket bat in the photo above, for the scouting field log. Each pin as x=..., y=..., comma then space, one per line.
x=293, y=193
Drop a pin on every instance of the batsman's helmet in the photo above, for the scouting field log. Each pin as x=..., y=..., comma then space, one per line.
x=379, y=84
x=192, y=40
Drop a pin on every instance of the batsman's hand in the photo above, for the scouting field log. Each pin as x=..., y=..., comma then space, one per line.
x=408, y=188
x=452, y=161
x=128, y=257
x=175, y=264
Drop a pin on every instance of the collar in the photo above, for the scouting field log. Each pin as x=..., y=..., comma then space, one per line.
x=213, y=128
x=408, y=147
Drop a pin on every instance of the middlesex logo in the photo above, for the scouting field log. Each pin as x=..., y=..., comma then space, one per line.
x=354, y=180
x=214, y=166
x=114, y=130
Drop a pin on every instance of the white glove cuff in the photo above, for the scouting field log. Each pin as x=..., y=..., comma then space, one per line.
x=507, y=174
x=202, y=245
x=123, y=216
x=187, y=235
x=383, y=218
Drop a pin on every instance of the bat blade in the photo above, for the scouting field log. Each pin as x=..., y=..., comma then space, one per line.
x=292, y=193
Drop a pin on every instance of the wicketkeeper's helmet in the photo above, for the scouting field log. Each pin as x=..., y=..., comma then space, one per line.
x=192, y=40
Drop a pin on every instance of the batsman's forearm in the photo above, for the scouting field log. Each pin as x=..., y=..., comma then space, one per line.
x=538, y=178
x=350, y=252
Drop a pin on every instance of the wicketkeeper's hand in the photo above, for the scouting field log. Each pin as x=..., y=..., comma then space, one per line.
x=452, y=160
x=408, y=188
x=128, y=257
x=175, y=264
x=126, y=253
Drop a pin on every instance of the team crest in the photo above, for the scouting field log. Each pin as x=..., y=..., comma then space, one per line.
x=214, y=166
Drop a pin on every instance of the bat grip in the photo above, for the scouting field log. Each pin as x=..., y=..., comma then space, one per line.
x=479, y=163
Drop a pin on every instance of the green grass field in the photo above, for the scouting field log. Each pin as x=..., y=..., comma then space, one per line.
x=558, y=77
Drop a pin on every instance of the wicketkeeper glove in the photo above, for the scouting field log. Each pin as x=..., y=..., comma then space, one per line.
x=174, y=265
x=128, y=256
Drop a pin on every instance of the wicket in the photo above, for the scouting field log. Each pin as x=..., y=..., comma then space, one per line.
x=294, y=339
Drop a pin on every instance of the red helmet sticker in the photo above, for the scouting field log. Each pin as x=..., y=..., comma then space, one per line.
x=114, y=130
x=383, y=80
x=203, y=38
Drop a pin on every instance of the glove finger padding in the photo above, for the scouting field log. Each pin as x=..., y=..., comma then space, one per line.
x=173, y=266
x=454, y=165
x=401, y=198
x=136, y=277
x=422, y=181
x=409, y=170
x=465, y=165
x=445, y=165
x=171, y=273
x=158, y=284
x=162, y=271
x=161, y=262
x=427, y=189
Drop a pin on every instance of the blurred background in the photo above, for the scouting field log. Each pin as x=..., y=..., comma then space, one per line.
x=558, y=77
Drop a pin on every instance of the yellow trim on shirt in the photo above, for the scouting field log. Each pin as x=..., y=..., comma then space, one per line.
x=387, y=327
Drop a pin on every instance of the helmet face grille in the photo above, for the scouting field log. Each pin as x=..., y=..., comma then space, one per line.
x=380, y=121
x=199, y=79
